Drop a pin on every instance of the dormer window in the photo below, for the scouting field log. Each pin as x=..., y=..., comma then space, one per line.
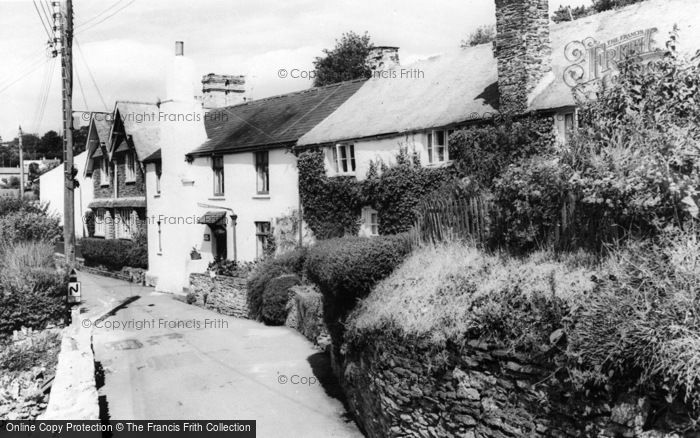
x=130, y=167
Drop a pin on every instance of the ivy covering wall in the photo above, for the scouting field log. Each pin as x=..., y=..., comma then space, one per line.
x=332, y=205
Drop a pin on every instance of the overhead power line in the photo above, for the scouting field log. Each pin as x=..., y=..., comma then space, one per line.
x=106, y=18
x=92, y=77
x=88, y=21
x=43, y=23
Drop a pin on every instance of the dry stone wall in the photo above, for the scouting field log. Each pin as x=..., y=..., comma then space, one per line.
x=222, y=294
x=399, y=388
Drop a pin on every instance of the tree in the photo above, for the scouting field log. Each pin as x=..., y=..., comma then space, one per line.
x=567, y=13
x=80, y=139
x=605, y=5
x=347, y=61
x=50, y=145
x=482, y=34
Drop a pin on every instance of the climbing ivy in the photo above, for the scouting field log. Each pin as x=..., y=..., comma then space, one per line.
x=331, y=205
x=395, y=191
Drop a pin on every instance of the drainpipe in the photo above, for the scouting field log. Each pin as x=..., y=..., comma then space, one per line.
x=235, y=252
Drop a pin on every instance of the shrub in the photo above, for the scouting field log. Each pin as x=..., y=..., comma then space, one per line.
x=114, y=253
x=89, y=219
x=346, y=269
x=38, y=300
x=276, y=297
x=12, y=205
x=23, y=225
x=21, y=257
x=287, y=263
x=137, y=256
x=43, y=351
x=641, y=326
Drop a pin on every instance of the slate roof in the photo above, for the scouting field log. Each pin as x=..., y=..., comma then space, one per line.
x=140, y=120
x=462, y=85
x=274, y=121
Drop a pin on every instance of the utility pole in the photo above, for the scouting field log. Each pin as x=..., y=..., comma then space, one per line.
x=21, y=166
x=67, y=76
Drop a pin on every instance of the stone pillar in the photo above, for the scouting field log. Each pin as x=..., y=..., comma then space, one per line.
x=523, y=51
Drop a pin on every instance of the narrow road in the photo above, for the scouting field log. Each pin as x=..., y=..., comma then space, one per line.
x=164, y=359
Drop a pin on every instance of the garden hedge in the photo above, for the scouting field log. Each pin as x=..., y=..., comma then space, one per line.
x=288, y=263
x=276, y=297
x=346, y=269
x=114, y=253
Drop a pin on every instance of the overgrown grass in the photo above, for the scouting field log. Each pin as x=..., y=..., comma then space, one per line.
x=455, y=291
x=42, y=352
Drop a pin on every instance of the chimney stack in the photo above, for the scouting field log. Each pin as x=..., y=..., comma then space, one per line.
x=382, y=58
x=523, y=51
x=179, y=48
x=220, y=91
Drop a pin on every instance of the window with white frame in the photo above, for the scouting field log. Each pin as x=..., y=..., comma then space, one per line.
x=370, y=221
x=124, y=223
x=437, y=146
x=218, y=169
x=344, y=158
x=100, y=223
x=130, y=166
x=104, y=171
x=262, y=236
x=262, y=171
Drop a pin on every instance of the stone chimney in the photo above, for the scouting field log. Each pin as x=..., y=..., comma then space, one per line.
x=383, y=58
x=219, y=91
x=523, y=51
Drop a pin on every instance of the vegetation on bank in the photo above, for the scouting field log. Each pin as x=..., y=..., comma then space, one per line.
x=32, y=290
x=114, y=254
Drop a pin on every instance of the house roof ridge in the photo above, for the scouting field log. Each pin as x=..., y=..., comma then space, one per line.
x=292, y=93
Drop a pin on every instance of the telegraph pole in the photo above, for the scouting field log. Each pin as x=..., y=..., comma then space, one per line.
x=21, y=166
x=67, y=76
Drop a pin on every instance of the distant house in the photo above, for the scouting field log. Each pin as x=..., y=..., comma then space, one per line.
x=52, y=184
x=117, y=144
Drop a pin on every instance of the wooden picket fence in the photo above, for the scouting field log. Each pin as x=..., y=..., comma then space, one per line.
x=452, y=217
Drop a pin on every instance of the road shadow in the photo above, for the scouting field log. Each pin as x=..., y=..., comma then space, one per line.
x=102, y=399
x=321, y=366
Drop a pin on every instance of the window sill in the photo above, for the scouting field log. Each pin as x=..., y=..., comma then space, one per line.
x=351, y=174
x=157, y=195
x=104, y=185
x=261, y=196
x=130, y=182
x=217, y=198
x=159, y=253
x=440, y=164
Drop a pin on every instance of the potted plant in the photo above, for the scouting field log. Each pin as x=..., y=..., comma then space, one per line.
x=194, y=254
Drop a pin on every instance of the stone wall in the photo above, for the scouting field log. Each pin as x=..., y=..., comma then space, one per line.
x=523, y=50
x=406, y=388
x=222, y=294
x=306, y=315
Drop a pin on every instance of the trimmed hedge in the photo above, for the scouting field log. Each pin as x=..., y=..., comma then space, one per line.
x=115, y=253
x=346, y=269
x=288, y=263
x=33, y=303
x=276, y=297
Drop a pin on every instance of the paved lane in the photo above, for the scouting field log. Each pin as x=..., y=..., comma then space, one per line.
x=164, y=359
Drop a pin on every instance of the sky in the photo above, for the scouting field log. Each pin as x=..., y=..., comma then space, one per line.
x=123, y=47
